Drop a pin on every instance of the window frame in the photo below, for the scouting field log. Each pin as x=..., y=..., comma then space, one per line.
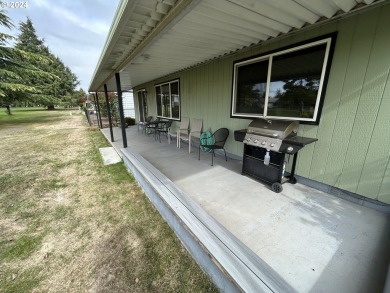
x=160, y=85
x=329, y=40
x=145, y=96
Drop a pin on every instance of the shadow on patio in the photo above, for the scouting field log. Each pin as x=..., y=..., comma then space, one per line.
x=306, y=240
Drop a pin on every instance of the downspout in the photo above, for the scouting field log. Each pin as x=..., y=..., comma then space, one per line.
x=108, y=112
x=120, y=105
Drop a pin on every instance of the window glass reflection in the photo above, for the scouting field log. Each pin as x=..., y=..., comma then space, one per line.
x=175, y=101
x=158, y=99
x=168, y=100
x=166, y=104
x=295, y=80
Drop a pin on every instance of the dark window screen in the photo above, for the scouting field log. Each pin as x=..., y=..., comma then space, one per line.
x=251, y=87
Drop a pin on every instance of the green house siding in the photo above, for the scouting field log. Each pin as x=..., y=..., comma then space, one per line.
x=352, y=152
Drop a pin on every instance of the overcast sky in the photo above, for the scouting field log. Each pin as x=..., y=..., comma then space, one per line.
x=74, y=30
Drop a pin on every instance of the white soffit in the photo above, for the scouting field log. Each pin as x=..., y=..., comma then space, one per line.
x=203, y=30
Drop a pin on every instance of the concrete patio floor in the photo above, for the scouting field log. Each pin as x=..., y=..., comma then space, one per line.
x=315, y=241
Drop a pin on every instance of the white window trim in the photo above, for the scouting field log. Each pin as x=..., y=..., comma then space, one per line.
x=269, y=57
x=141, y=90
x=170, y=99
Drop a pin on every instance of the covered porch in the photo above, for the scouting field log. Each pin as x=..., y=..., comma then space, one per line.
x=248, y=238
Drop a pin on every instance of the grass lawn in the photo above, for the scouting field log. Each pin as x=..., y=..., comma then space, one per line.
x=70, y=224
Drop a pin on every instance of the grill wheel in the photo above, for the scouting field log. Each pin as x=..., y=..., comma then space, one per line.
x=276, y=187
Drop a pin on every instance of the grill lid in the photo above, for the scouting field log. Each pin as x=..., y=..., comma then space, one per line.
x=274, y=128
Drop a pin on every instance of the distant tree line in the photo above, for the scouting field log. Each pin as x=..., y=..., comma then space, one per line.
x=30, y=74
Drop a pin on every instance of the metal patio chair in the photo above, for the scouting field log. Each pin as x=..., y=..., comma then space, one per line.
x=164, y=127
x=219, y=137
x=142, y=124
x=150, y=127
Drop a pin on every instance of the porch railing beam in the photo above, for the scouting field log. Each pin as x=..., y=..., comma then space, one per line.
x=108, y=112
x=120, y=105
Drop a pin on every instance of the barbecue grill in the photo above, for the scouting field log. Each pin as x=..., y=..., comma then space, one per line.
x=266, y=144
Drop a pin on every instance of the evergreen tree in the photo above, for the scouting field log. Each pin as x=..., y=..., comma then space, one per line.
x=52, y=91
x=28, y=39
x=14, y=65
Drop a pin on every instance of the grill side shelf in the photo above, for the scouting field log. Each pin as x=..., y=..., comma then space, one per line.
x=299, y=140
x=239, y=135
x=292, y=145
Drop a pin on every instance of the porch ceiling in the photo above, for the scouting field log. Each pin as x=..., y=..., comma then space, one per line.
x=153, y=38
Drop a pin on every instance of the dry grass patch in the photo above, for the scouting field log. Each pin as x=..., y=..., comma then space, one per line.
x=71, y=224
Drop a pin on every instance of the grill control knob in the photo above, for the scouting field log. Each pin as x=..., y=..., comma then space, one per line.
x=272, y=145
x=248, y=139
x=263, y=142
x=256, y=140
x=290, y=149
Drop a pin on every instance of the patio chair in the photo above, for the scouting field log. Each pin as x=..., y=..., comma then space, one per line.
x=196, y=131
x=151, y=126
x=183, y=130
x=219, y=137
x=142, y=124
x=164, y=127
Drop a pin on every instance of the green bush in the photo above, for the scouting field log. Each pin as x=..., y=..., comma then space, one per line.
x=129, y=121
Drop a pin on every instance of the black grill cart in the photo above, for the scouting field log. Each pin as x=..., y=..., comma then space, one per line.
x=254, y=165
